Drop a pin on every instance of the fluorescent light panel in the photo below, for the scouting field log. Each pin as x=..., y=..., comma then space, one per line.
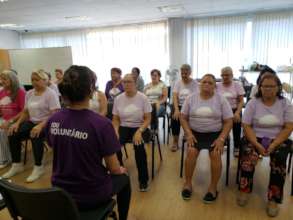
x=171, y=8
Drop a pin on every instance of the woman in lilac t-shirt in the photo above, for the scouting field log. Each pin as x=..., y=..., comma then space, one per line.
x=267, y=124
x=131, y=117
x=206, y=118
x=182, y=89
x=233, y=91
x=81, y=141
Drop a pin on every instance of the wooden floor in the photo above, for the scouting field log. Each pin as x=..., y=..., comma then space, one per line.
x=163, y=200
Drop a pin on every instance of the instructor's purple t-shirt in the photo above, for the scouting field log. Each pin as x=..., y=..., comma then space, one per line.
x=80, y=139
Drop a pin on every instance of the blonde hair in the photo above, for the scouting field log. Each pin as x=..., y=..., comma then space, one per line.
x=42, y=74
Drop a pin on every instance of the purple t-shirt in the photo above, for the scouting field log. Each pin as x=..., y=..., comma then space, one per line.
x=131, y=110
x=267, y=121
x=184, y=90
x=111, y=92
x=206, y=115
x=231, y=93
x=80, y=139
x=40, y=106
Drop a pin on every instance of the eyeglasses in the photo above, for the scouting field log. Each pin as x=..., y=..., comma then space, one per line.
x=127, y=81
x=268, y=86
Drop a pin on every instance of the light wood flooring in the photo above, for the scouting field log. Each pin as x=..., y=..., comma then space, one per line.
x=163, y=201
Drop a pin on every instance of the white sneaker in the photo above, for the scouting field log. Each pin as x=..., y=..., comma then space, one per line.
x=4, y=165
x=38, y=171
x=15, y=169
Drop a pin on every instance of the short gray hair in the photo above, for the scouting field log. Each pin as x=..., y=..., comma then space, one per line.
x=14, y=82
x=186, y=66
x=227, y=69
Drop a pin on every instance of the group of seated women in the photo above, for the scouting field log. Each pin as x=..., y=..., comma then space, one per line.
x=81, y=139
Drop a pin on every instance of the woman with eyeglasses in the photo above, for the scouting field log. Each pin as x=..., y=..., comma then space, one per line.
x=131, y=118
x=206, y=118
x=267, y=123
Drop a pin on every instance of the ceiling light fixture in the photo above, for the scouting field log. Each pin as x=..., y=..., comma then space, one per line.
x=79, y=18
x=171, y=8
x=10, y=26
x=2, y=1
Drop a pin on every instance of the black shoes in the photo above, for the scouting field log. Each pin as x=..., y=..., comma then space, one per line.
x=210, y=198
x=143, y=187
x=186, y=194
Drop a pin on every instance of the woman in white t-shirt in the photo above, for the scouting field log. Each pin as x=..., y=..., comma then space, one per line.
x=40, y=103
x=131, y=118
x=157, y=94
x=98, y=103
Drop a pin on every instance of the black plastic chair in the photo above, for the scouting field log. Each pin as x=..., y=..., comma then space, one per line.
x=2, y=203
x=227, y=143
x=48, y=204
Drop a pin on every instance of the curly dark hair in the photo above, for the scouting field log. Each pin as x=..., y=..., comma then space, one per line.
x=156, y=71
x=78, y=83
x=117, y=70
x=276, y=79
x=137, y=70
x=265, y=69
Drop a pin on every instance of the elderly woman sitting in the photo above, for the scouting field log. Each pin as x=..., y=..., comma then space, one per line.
x=267, y=124
x=206, y=118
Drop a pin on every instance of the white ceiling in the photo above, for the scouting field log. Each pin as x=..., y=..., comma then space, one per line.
x=49, y=15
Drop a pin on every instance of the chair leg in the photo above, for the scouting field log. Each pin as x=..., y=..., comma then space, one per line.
x=159, y=147
x=292, y=183
x=112, y=215
x=182, y=158
x=25, y=152
x=228, y=162
x=168, y=130
x=153, y=158
x=125, y=150
x=290, y=162
x=238, y=165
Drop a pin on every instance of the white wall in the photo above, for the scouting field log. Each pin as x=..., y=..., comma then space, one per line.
x=9, y=39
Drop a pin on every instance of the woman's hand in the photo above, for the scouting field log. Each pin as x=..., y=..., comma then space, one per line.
x=35, y=132
x=13, y=129
x=261, y=150
x=191, y=140
x=137, y=139
x=5, y=125
x=176, y=115
x=236, y=118
x=158, y=105
x=218, y=146
x=270, y=150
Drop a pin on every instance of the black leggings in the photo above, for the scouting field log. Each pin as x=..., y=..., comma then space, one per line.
x=125, y=136
x=236, y=132
x=22, y=134
x=122, y=189
x=175, y=124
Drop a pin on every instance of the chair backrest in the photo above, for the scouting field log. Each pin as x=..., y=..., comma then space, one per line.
x=38, y=204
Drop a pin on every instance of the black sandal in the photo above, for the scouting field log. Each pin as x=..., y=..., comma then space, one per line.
x=186, y=194
x=210, y=198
